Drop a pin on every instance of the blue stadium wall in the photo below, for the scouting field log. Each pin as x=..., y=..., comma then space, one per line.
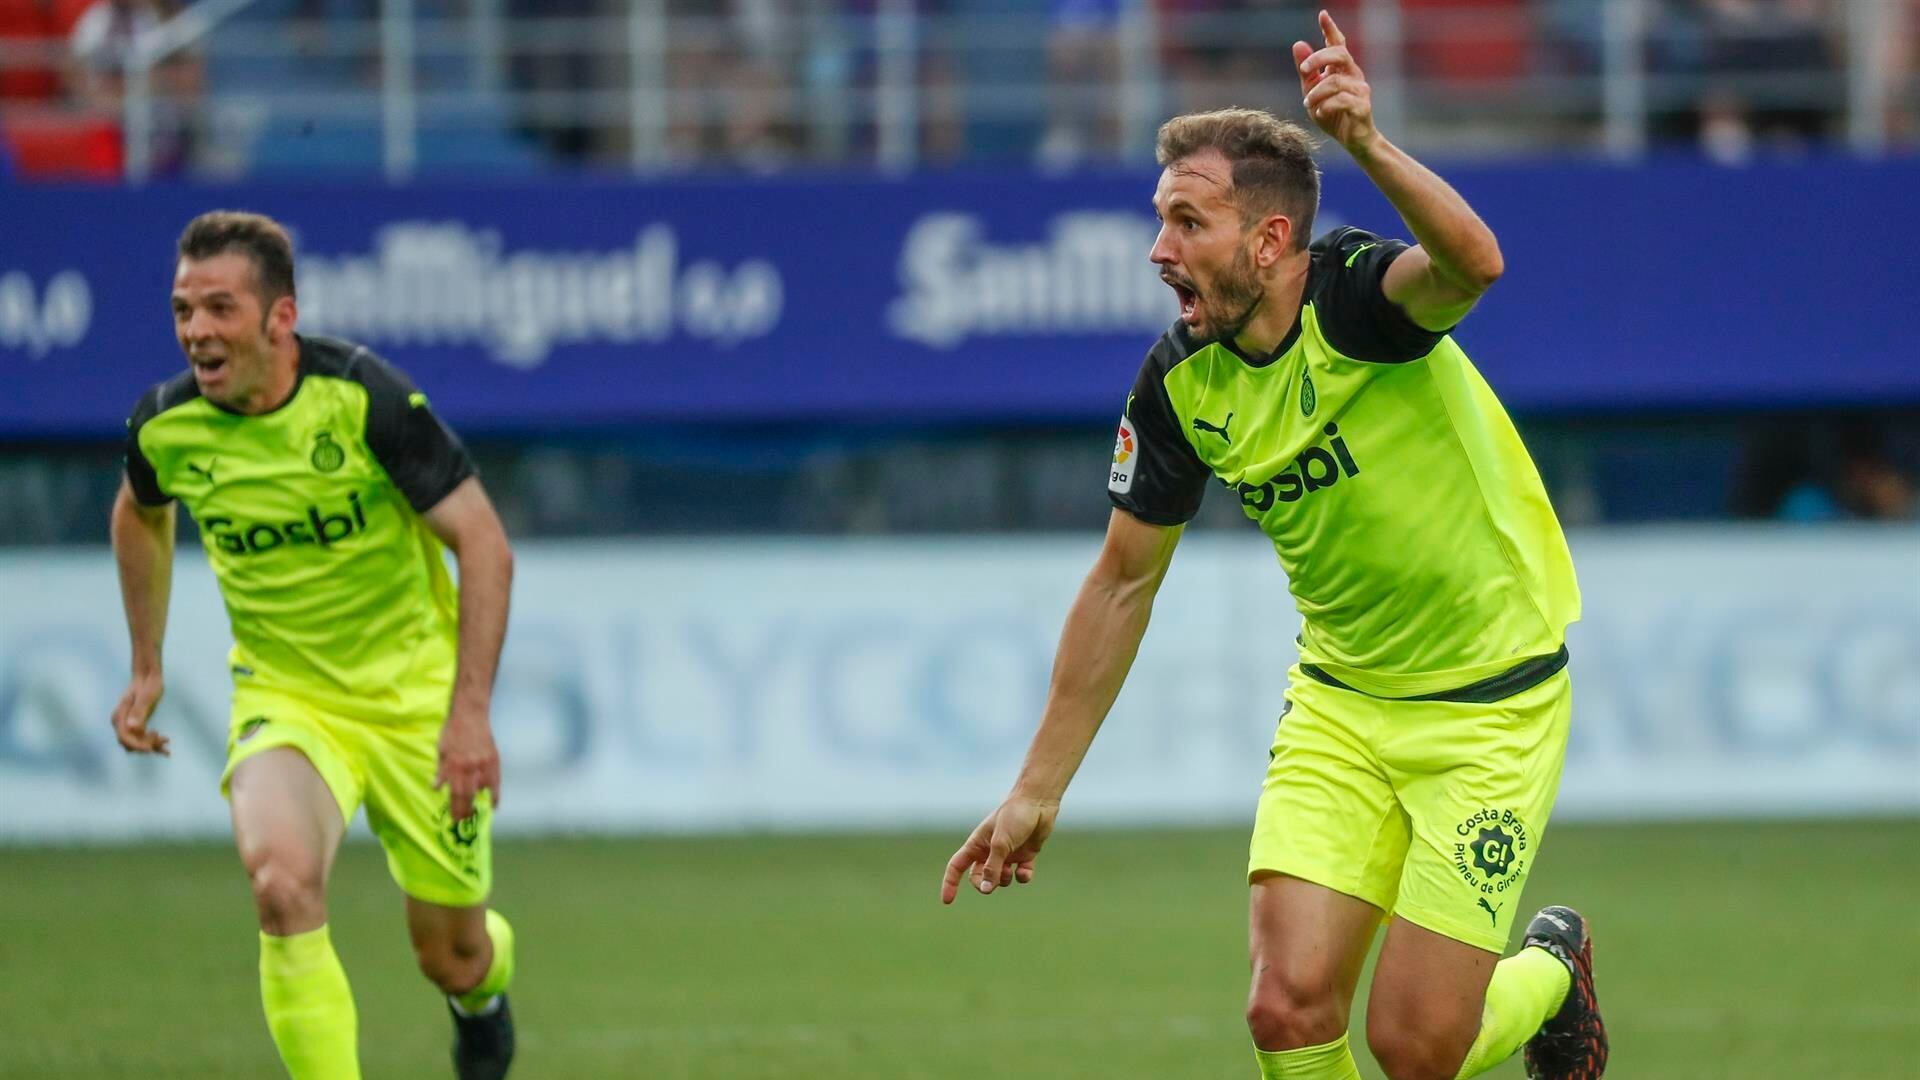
x=957, y=298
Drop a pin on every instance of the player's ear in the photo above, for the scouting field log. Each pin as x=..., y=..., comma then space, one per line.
x=1275, y=239
x=281, y=317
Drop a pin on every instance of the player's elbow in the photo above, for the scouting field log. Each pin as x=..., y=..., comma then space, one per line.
x=1485, y=269
x=486, y=543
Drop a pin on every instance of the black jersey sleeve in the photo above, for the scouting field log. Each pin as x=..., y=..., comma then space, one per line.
x=1354, y=312
x=141, y=478
x=1156, y=475
x=422, y=456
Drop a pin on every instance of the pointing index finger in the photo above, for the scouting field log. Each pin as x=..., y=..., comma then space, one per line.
x=1331, y=29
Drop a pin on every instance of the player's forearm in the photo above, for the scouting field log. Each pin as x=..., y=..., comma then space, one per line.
x=1096, y=651
x=1462, y=248
x=143, y=551
x=486, y=582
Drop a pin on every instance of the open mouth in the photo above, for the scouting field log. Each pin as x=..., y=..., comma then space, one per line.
x=209, y=365
x=1189, y=299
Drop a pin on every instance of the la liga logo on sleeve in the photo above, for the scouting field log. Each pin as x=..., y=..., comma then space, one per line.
x=1126, y=454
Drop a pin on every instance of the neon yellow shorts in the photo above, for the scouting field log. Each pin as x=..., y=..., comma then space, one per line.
x=390, y=767
x=1430, y=810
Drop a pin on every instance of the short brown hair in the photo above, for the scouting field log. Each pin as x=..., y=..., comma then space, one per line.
x=1272, y=159
x=257, y=236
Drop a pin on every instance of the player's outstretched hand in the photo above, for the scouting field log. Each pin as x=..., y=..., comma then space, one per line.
x=1335, y=90
x=131, y=715
x=1002, y=849
x=469, y=763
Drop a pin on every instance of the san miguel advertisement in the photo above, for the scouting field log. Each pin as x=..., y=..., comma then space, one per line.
x=954, y=298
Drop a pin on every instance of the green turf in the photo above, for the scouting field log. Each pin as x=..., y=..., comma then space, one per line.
x=1750, y=951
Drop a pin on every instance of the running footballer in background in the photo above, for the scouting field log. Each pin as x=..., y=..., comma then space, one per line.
x=324, y=488
x=1425, y=725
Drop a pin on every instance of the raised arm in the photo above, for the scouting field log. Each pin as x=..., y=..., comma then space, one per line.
x=1102, y=634
x=466, y=522
x=143, y=551
x=1457, y=257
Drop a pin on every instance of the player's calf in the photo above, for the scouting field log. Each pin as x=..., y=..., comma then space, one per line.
x=468, y=953
x=1420, y=1029
x=455, y=965
x=1410, y=1050
x=483, y=1036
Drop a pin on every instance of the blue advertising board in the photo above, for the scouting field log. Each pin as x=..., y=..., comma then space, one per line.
x=957, y=298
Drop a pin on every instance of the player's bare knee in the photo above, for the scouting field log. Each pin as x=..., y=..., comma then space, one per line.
x=290, y=897
x=1411, y=1051
x=1287, y=1014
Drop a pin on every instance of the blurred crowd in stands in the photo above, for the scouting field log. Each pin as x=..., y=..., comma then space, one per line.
x=62, y=80
x=1827, y=468
x=763, y=84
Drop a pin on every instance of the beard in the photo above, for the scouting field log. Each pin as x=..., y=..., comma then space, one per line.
x=1232, y=299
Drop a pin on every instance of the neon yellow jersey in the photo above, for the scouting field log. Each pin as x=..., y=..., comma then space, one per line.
x=1416, y=536
x=310, y=516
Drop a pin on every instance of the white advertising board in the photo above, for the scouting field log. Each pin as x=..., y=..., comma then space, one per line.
x=712, y=685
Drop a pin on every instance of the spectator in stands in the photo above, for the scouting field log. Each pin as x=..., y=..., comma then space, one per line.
x=1871, y=485
x=1573, y=36
x=760, y=127
x=101, y=45
x=1083, y=93
x=947, y=63
x=1221, y=53
x=1902, y=47
x=732, y=78
x=548, y=71
x=1823, y=470
x=943, y=131
x=1770, y=76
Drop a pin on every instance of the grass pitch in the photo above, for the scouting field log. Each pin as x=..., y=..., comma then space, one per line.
x=1748, y=951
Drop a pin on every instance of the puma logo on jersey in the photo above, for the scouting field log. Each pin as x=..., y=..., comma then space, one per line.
x=1492, y=912
x=206, y=472
x=1313, y=469
x=1203, y=427
x=1357, y=252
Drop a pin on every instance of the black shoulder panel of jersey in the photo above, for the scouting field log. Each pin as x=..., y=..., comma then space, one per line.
x=1166, y=479
x=159, y=397
x=1344, y=286
x=422, y=456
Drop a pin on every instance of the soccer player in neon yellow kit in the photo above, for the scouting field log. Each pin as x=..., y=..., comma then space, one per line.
x=1425, y=726
x=324, y=488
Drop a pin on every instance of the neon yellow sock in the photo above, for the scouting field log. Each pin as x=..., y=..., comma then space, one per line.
x=499, y=972
x=1328, y=1061
x=1527, y=989
x=309, y=1006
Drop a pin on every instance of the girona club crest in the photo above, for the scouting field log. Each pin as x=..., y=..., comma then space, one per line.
x=1491, y=851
